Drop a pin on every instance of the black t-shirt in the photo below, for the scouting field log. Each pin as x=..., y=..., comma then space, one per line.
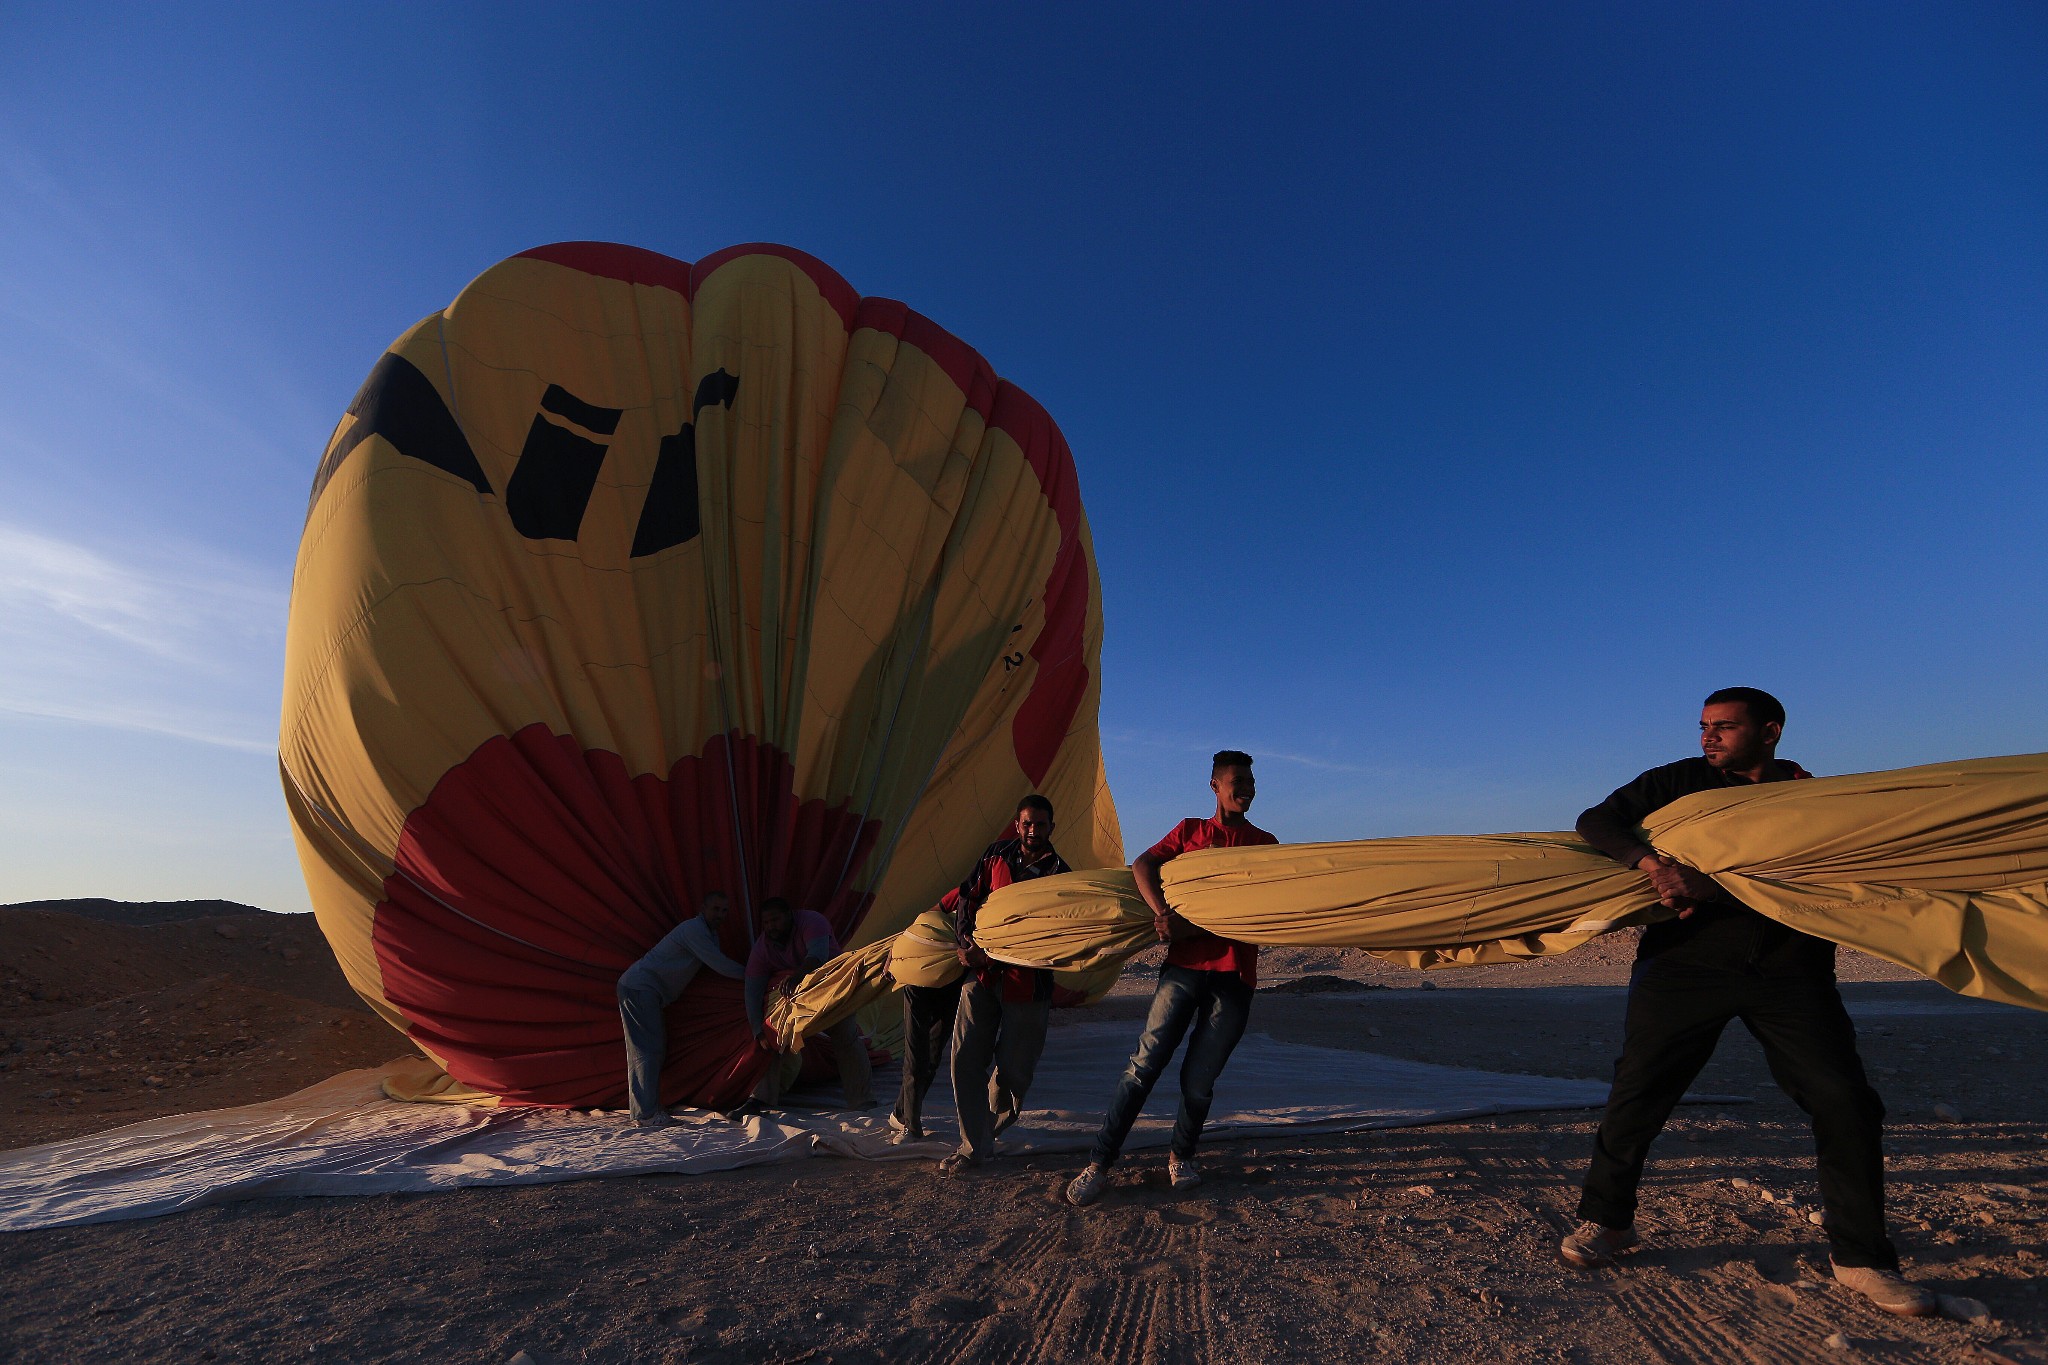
x=1720, y=934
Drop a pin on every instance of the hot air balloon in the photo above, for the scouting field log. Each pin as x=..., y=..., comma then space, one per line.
x=626, y=579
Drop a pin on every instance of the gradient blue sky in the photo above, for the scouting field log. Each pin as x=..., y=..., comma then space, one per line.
x=1460, y=391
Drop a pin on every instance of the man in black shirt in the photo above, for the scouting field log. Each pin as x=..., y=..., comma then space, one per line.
x=1719, y=960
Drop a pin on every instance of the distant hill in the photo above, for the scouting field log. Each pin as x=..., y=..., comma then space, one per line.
x=140, y=912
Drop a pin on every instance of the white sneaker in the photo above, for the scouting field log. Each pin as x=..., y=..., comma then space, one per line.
x=1087, y=1187
x=1182, y=1172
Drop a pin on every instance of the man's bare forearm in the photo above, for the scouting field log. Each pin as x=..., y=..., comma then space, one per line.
x=1145, y=872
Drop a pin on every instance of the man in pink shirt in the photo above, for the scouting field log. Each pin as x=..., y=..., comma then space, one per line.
x=796, y=943
x=1206, y=982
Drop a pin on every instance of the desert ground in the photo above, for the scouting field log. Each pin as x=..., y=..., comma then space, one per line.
x=1421, y=1244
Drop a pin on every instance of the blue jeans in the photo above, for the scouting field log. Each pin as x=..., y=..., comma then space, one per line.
x=1218, y=1004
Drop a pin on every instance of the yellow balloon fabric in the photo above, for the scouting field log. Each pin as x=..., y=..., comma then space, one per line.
x=1942, y=869
x=922, y=955
x=625, y=580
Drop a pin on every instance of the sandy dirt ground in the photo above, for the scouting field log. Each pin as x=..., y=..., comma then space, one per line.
x=1419, y=1244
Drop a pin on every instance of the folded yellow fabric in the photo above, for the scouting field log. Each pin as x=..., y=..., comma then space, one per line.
x=1942, y=869
x=922, y=955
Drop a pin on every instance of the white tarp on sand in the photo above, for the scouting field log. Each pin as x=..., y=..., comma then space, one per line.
x=342, y=1137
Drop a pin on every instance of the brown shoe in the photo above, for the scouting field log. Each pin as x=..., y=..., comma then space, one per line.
x=1889, y=1290
x=1593, y=1245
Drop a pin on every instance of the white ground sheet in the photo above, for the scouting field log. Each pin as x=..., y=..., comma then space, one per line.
x=342, y=1137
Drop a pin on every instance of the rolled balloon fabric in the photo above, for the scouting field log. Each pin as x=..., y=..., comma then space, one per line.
x=625, y=580
x=833, y=992
x=1942, y=869
x=922, y=955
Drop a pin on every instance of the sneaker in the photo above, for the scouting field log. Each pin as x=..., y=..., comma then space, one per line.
x=903, y=1135
x=1182, y=1172
x=1592, y=1245
x=1889, y=1290
x=658, y=1119
x=959, y=1163
x=895, y=1121
x=745, y=1110
x=1087, y=1187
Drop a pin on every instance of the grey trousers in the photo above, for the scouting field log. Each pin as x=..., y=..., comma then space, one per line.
x=640, y=1013
x=855, y=1073
x=990, y=1034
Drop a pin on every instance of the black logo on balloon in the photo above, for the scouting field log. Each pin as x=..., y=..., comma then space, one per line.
x=670, y=515
x=557, y=470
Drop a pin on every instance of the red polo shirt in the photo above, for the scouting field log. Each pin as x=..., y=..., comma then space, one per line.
x=1201, y=949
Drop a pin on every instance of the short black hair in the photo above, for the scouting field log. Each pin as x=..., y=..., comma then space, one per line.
x=1229, y=758
x=774, y=903
x=1764, y=708
x=1035, y=802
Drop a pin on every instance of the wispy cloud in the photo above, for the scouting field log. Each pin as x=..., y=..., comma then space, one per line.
x=1181, y=744
x=159, y=638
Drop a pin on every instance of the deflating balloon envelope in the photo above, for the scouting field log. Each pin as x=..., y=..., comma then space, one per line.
x=625, y=580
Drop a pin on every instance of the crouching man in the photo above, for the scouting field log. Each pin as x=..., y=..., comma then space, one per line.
x=798, y=942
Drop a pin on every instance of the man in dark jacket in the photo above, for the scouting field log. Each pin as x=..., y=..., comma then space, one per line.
x=1718, y=960
x=1003, y=1009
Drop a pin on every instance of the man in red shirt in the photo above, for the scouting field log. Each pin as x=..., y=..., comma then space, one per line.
x=1205, y=982
x=1003, y=1009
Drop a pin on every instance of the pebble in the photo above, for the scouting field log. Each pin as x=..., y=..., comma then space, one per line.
x=1427, y=986
x=1426, y=1191
x=1964, y=1310
x=227, y=931
x=1739, y=1183
x=1836, y=1342
x=1373, y=1032
x=1948, y=1113
x=1814, y=1218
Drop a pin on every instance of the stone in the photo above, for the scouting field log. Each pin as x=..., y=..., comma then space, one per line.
x=227, y=931
x=1427, y=986
x=1948, y=1113
x=1964, y=1310
x=1815, y=1218
x=1835, y=1341
x=1739, y=1183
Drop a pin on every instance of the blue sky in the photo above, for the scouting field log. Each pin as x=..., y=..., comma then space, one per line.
x=1460, y=391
